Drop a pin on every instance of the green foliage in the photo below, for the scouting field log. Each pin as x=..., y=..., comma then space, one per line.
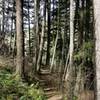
x=75, y=98
x=64, y=98
x=13, y=88
x=85, y=53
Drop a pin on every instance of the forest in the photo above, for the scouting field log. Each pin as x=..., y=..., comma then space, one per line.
x=49, y=49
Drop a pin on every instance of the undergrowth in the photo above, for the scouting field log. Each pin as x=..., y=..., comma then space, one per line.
x=13, y=88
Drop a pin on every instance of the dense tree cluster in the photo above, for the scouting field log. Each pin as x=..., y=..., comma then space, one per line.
x=55, y=35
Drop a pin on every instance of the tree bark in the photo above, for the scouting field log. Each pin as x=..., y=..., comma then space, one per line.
x=54, y=53
x=71, y=32
x=20, y=38
x=48, y=35
x=36, y=28
x=41, y=41
x=3, y=16
x=70, y=80
x=97, y=44
x=29, y=27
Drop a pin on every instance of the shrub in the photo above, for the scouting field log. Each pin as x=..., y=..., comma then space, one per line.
x=13, y=88
x=85, y=53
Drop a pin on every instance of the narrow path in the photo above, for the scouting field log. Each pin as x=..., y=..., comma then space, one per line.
x=48, y=81
x=49, y=84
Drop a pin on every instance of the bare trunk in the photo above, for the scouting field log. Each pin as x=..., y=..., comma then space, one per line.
x=70, y=73
x=3, y=15
x=48, y=36
x=20, y=37
x=36, y=28
x=29, y=27
x=10, y=48
x=97, y=44
x=41, y=42
x=54, y=52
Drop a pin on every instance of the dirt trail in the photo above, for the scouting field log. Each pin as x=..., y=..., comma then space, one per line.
x=49, y=84
x=48, y=81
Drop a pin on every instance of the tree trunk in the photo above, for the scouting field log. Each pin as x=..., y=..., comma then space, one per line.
x=36, y=28
x=10, y=48
x=54, y=53
x=20, y=38
x=71, y=32
x=29, y=27
x=70, y=86
x=48, y=35
x=41, y=41
x=97, y=44
x=3, y=16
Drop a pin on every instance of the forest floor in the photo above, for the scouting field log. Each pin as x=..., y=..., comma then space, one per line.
x=47, y=81
x=6, y=61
